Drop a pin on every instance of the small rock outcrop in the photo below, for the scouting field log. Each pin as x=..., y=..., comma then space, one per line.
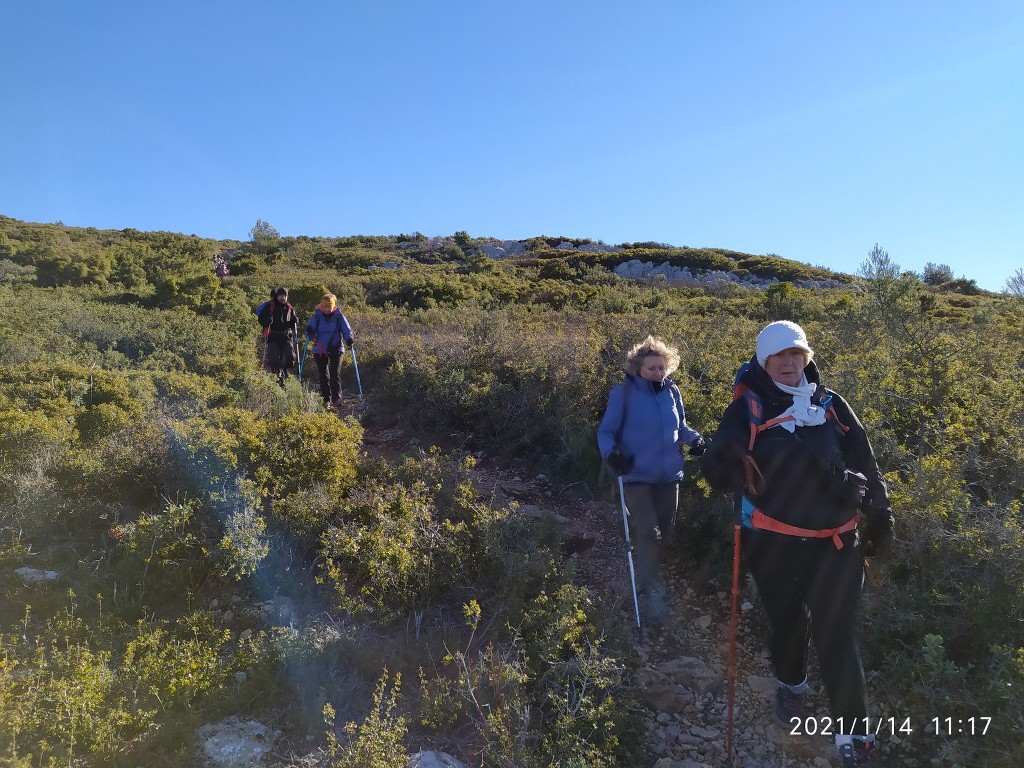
x=434, y=760
x=635, y=269
x=36, y=575
x=234, y=743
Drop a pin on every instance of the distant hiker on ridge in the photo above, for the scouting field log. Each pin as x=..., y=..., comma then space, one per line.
x=801, y=460
x=279, y=323
x=641, y=437
x=325, y=331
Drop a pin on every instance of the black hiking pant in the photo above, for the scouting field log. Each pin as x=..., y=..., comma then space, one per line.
x=811, y=589
x=652, y=512
x=280, y=355
x=327, y=367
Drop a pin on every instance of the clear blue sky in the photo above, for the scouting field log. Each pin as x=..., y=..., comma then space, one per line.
x=812, y=130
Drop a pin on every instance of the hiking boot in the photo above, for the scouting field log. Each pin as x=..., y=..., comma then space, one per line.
x=789, y=705
x=860, y=752
x=654, y=605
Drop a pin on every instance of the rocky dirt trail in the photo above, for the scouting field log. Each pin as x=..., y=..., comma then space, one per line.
x=683, y=675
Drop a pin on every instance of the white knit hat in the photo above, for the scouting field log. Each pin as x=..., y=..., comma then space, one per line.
x=778, y=336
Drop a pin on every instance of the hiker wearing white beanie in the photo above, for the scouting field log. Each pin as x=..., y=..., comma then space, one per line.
x=801, y=464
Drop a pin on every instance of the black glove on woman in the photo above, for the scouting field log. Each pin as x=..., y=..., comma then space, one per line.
x=619, y=463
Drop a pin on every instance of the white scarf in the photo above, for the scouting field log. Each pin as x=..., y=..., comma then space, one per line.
x=804, y=414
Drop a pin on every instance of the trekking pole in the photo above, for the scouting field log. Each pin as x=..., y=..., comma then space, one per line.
x=359, y=383
x=732, y=641
x=629, y=557
x=302, y=358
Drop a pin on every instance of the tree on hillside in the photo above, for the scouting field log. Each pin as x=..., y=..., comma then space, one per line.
x=263, y=234
x=1015, y=284
x=936, y=274
x=463, y=240
x=879, y=265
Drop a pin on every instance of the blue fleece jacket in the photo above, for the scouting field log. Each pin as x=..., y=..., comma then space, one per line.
x=649, y=425
x=326, y=331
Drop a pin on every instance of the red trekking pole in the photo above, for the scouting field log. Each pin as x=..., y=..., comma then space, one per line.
x=732, y=641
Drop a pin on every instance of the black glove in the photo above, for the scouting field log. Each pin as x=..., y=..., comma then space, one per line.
x=351, y=343
x=877, y=532
x=619, y=463
x=698, y=448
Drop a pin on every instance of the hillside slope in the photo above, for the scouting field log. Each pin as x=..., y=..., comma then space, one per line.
x=222, y=548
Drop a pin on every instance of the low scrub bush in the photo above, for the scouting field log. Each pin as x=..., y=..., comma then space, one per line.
x=298, y=449
x=376, y=742
x=72, y=693
x=411, y=536
x=552, y=690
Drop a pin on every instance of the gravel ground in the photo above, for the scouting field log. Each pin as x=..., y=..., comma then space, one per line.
x=683, y=678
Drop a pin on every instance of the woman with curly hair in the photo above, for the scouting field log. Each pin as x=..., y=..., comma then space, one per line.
x=641, y=438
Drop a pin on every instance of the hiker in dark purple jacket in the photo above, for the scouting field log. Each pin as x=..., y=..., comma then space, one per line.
x=326, y=331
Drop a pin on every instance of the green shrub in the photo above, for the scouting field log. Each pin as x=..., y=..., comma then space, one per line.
x=244, y=545
x=74, y=693
x=555, y=692
x=299, y=450
x=395, y=551
x=209, y=452
x=164, y=554
x=691, y=258
x=377, y=741
x=783, y=269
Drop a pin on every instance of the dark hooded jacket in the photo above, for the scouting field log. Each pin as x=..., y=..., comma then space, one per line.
x=803, y=470
x=278, y=320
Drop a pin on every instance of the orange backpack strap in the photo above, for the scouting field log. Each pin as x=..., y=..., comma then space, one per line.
x=753, y=479
x=831, y=414
x=755, y=414
x=763, y=522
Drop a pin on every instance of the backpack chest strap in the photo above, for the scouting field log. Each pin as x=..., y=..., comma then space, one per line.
x=758, y=424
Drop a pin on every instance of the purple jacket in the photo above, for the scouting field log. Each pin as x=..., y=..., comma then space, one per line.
x=327, y=331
